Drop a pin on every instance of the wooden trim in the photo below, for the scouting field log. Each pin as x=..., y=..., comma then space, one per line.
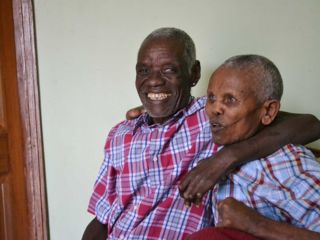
x=30, y=112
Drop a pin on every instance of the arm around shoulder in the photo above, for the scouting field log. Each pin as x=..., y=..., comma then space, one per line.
x=95, y=231
x=287, y=128
x=299, y=128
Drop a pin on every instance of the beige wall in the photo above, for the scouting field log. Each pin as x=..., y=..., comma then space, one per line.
x=87, y=52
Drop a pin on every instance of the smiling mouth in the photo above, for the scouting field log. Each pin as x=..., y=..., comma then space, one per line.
x=158, y=96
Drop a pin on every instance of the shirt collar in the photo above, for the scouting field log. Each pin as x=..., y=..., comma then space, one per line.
x=194, y=104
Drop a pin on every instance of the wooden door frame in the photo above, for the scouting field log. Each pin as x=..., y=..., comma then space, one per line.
x=28, y=90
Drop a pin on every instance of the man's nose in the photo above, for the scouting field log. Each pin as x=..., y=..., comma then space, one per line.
x=156, y=79
x=216, y=108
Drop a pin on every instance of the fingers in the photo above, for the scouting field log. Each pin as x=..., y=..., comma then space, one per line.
x=182, y=187
x=196, y=188
x=189, y=194
x=193, y=187
x=223, y=214
x=225, y=206
x=198, y=199
x=197, y=182
x=186, y=188
x=189, y=201
x=184, y=184
x=232, y=213
x=227, y=203
x=134, y=112
x=190, y=191
x=235, y=214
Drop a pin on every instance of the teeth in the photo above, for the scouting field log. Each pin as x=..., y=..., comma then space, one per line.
x=158, y=96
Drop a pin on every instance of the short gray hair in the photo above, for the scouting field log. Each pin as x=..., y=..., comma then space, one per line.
x=268, y=78
x=189, y=54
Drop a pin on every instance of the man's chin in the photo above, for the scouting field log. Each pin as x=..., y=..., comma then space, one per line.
x=221, y=140
x=159, y=117
x=218, y=142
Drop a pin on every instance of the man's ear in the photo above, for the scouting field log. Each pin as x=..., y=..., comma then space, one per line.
x=196, y=73
x=270, y=111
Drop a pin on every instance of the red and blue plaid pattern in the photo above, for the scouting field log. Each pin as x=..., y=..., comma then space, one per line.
x=136, y=192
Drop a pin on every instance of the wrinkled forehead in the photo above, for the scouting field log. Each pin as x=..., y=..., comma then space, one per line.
x=237, y=80
x=173, y=46
x=242, y=75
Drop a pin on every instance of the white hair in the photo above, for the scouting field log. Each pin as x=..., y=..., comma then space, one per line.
x=189, y=53
x=267, y=76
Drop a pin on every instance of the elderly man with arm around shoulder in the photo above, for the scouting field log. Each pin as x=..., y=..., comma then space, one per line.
x=136, y=194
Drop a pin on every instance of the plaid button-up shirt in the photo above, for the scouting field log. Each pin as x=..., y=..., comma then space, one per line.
x=285, y=187
x=136, y=192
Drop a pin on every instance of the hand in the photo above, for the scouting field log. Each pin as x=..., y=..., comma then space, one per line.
x=95, y=231
x=235, y=214
x=134, y=112
x=203, y=177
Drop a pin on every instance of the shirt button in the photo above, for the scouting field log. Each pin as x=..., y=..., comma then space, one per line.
x=195, y=164
x=121, y=236
x=135, y=207
x=155, y=158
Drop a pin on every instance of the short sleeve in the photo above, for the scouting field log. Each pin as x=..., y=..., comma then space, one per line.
x=296, y=192
x=104, y=191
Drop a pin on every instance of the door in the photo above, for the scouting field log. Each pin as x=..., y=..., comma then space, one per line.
x=13, y=198
x=22, y=192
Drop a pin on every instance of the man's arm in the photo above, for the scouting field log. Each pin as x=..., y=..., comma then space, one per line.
x=287, y=128
x=235, y=214
x=95, y=231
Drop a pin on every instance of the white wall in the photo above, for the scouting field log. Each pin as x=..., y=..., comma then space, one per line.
x=87, y=52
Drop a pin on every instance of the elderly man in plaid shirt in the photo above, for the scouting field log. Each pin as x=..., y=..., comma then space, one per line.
x=137, y=192
x=244, y=95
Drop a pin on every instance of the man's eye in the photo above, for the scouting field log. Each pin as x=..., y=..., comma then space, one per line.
x=212, y=98
x=231, y=99
x=142, y=71
x=169, y=70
